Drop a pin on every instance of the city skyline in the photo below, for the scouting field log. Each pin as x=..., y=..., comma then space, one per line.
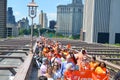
x=20, y=9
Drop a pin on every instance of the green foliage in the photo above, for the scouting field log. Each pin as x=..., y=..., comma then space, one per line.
x=35, y=32
x=44, y=31
x=21, y=32
x=24, y=32
x=58, y=35
x=112, y=45
x=117, y=44
x=75, y=37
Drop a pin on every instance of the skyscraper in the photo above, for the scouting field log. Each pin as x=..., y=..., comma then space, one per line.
x=69, y=18
x=43, y=21
x=10, y=16
x=23, y=23
x=100, y=21
x=3, y=5
x=41, y=18
x=52, y=24
x=12, y=29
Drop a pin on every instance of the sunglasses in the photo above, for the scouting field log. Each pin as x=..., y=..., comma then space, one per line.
x=56, y=65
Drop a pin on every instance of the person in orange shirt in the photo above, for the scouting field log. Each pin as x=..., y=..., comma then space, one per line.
x=84, y=65
x=101, y=72
x=68, y=46
x=50, y=54
x=57, y=53
x=80, y=56
x=101, y=69
x=93, y=63
x=65, y=53
x=44, y=50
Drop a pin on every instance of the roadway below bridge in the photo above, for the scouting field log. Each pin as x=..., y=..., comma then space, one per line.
x=6, y=74
x=13, y=53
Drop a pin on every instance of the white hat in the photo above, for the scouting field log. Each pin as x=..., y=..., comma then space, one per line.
x=58, y=60
x=44, y=59
x=69, y=65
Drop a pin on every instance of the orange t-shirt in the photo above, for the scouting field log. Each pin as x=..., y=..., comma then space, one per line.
x=49, y=55
x=58, y=55
x=84, y=66
x=93, y=65
x=45, y=50
x=65, y=53
x=68, y=75
x=100, y=70
x=68, y=46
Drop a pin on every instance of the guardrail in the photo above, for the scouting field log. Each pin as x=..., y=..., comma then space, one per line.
x=25, y=69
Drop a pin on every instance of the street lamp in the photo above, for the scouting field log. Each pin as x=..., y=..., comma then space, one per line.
x=39, y=31
x=32, y=12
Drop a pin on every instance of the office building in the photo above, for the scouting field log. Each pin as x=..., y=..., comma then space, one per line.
x=10, y=16
x=23, y=23
x=69, y=18
x=52, y=24
x=12, y=29
x=43, y=21
x=3, y=9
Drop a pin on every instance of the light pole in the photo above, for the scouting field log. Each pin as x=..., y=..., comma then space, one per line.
x=39, y=31
x=32, y=12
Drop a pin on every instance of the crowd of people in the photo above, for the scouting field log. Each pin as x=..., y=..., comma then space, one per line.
x=59, y=61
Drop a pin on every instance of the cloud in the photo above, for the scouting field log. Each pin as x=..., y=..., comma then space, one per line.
x=51, y=16
x=18, y=15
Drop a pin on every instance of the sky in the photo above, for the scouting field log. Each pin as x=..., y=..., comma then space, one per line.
x=20, y=8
